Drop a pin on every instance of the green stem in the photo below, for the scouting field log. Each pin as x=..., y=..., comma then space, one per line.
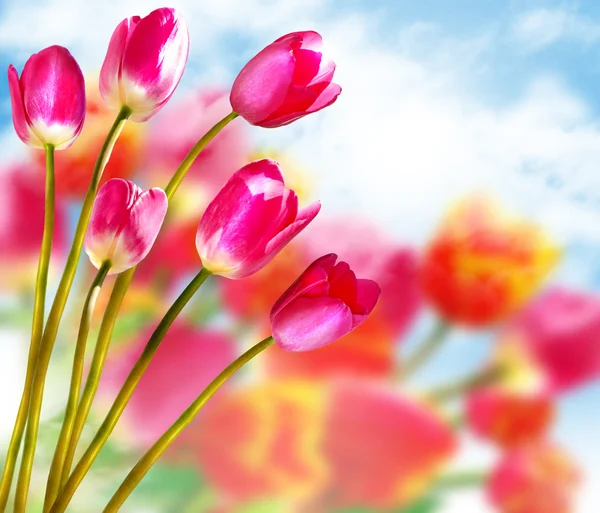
x=155, y=452
x=461, y=479
x=58, y=306
x=187, y=162
x=426, y=350
x=54, y=477
x=109, y=423
x=36, y=331
x=93, y=378
x=464, y=385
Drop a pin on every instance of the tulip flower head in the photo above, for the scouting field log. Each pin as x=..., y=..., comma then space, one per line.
x=251, y=220
x=536, y=478
x=48, y=101
x=124, y=224
x=484, y=264
x=561, y=329
x=144, y=63
x=287, y=80
x=325, y=303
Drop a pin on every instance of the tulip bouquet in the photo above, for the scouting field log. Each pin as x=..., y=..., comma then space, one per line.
x=251, y=220
x=328, y=420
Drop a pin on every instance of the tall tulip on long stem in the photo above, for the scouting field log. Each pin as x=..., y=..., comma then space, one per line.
x=48, y=112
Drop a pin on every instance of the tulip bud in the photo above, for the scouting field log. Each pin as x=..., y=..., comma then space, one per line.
x=285, y=81
x=48, y=101
x=325, y=303
x=124, y=224
x=144, y=62
x=251, y=220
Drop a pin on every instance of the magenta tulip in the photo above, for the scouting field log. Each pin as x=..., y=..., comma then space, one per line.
x=144, y=62
x=287, y=80
x=324, y=304
x=251, y=220
x=48, y=101
x=561, y=329
x=124, y=224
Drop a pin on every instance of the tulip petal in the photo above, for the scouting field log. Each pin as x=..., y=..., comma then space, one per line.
x=312, y=283
x=310, y=323
x=154, y=61
x=110, y=73
x=18, y=112
x=305, y=216
x=111, y=207
x=368, y=295
x=140, y=229
x=262, y=85
x=54, y=96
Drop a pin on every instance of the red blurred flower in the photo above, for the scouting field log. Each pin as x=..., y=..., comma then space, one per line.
x=22, y=224
x=483, y=264
x=74, y=166
x=508, y=417
x=561, y=329
x=383, y=448
x=262, y=441
x=537, y=478
x=184, y=364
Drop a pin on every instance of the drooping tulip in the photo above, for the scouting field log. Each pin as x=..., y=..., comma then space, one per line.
x=144, y=63
x=251, y=220
x=325, y=303
x=536, y=478
x=48, y=101
x=561, y=329
x=285, y=81
x=124, y=224
x=383, y=448
x=483, y=264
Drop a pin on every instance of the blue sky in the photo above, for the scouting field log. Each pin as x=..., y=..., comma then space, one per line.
x=440, y=98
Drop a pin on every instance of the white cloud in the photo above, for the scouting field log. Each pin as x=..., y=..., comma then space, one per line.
x=539, y=28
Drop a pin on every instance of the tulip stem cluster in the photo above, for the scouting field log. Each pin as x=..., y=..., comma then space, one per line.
x=249, y=222
x=65, y=440
x=162, y=444
x=125, y=393
x=36, y=329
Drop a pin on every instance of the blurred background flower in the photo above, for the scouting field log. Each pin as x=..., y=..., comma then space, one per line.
x=458, y=169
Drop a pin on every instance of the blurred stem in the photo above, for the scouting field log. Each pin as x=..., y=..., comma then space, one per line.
x=58, y=306
x=37, y=327
x=155, y=452
x=93, y=378
x=54, y=477
x=461, y=479
x=125, y=393
x=426, y=349
x=464, y=385
x=187, y=162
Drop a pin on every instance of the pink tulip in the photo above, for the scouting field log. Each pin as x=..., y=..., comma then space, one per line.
x=144, y=62
x=48, y=101
x=251, y=220
x=187, y=360
x=325, y=303
x=124, y=224
x=285, y=81
x=536, y=478
x=561, y=329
